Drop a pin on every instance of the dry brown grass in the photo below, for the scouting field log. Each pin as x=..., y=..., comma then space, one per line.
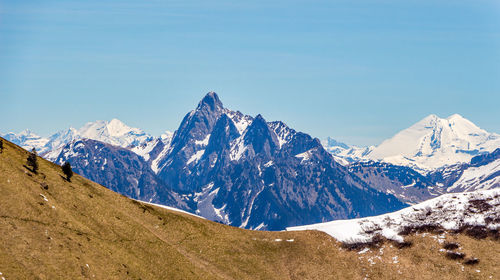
x=84, y=230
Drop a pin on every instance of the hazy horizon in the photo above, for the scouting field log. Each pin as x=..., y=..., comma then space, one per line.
x=173, y=130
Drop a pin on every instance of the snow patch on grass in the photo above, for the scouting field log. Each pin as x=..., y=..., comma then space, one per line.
x=449, y=211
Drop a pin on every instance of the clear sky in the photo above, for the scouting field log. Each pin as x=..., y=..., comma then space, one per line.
x=358, y=71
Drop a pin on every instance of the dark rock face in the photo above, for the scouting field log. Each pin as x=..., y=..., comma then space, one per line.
x=485, y=158
x=119, y=169
x=448, y=175
x=189, y=139
x=405, y=183
x=260, y=138
x=235, y=169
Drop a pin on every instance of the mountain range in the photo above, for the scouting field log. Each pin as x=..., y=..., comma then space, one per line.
x=113, y=132
x=247, y=172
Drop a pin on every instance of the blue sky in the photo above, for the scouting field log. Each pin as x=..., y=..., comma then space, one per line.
x=358, y=71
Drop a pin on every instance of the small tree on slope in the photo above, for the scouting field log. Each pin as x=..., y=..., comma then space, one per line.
x=31, y=161
x=66, y=168
x=1, y=146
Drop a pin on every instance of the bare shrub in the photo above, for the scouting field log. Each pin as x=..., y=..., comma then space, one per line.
x=455, y=255
x=451, y=245
x=471, y=261
x=357, y=245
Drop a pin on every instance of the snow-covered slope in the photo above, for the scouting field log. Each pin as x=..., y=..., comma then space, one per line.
x=480, y=177
x=449, y=211
x=410, y=186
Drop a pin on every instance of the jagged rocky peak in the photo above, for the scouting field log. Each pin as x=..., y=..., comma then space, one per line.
x=283, y=132
x=232, y=168
x=199, y=122
x=260, y=136
x=211, y=101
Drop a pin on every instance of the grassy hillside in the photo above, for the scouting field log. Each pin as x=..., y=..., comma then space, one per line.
x=54, y=229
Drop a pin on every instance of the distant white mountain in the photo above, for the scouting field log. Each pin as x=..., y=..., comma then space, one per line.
x=27, y=139
x=431, y=143
x=345, y=154
x=113, y=132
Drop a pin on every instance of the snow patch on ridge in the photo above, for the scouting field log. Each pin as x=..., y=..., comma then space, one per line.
x=238, y=148
x=449, y=211
x=203, y=142
x=205, y=206
x=241, y=122
x=305, y=156
x=196, y=157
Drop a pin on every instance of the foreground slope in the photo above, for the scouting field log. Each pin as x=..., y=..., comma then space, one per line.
x=54, y=229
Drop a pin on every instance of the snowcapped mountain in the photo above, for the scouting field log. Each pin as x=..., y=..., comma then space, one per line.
x=427, y=145
x=434, y=142
x=112, y=132
x=451, y=212
x=432, y=157
x=346, y=154
x=27, y=140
